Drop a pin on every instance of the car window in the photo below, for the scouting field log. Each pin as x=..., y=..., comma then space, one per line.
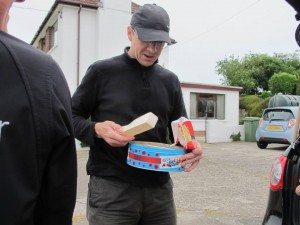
x=278, y=114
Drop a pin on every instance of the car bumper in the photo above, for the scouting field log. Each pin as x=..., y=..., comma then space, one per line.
x=275, y=137
x=273, y=220
x=275, y=140
x=274, y=214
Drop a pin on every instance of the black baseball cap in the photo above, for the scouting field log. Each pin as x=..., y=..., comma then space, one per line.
x=152, y=23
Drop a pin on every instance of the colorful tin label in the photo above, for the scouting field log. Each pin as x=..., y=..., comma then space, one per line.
x=154, y=157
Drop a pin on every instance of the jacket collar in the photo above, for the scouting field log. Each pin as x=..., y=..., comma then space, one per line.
x=134, y=61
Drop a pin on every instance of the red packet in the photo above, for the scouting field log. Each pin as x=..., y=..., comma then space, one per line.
x=183, y=132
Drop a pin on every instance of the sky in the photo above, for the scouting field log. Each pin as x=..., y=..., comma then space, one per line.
x=206, y=31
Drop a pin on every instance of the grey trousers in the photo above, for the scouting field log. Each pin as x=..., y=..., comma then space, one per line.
x=112, y=202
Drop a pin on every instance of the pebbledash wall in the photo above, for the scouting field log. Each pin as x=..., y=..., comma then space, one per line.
x=76, y=33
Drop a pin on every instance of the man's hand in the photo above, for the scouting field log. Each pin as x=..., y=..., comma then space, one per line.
x=298, y=190
x=192, y=158
x=112, y=134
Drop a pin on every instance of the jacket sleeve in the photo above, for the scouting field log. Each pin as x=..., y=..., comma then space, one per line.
x=83, y=107
x=58, y=186
x=52, y=190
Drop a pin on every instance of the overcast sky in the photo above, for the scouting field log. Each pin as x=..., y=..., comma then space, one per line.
x=206, y=31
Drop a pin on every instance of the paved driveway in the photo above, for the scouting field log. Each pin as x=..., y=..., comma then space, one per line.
x=229, y=187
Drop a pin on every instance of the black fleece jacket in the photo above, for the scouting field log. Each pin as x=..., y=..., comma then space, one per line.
x=119, y=89
x=38, y=170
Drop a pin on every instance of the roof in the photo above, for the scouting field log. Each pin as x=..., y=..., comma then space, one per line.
x=210, y=86
x=94, y=4
x=91, y=3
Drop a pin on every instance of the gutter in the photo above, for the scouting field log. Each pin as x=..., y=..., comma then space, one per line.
x=53, y=10
x=78, y=45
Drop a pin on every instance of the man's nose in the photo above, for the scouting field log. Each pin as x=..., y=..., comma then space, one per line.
x=152, y=46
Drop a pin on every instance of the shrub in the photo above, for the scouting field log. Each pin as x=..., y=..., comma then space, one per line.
x=236, y=137
x=265, y=94
x=248, y=101
x=283, y=82
x=253, y=105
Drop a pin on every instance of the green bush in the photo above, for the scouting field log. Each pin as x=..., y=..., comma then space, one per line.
x=283, y=83
x=236, y=137
x=265, y=94
x=258, y=109
x=253, y=105
x=83, y=145
x=249, y=101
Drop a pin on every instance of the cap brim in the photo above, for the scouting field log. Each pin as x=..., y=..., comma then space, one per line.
x=145, y=34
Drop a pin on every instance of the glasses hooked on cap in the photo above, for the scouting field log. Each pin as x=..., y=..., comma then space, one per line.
x=155, y=44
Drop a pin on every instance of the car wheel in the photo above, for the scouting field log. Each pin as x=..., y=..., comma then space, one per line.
x=262, y=144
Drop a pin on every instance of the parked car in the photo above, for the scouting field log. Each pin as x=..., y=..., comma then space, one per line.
x=284, y=205
x=276, y=125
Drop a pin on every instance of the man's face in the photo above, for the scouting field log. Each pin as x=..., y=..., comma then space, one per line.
x=4, y=10
x=146, y=53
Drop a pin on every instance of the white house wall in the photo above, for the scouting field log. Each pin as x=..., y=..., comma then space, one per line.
x=220, y=131
x=113, y=20
x=67, y=45
x=67, y=36
x=88, y=41
x=164, y=57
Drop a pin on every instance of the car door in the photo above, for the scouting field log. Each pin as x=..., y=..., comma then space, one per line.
x=291, y=202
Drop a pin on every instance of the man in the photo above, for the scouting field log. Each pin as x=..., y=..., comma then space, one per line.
x=38, y=170
x=112, y=94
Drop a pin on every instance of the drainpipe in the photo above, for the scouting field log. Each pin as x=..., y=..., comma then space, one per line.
x=78, y=45
x=205, y=124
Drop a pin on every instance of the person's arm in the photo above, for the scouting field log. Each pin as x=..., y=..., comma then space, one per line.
x=83, y=106
x=192, y=158
x=59, y=181
x=84, y=103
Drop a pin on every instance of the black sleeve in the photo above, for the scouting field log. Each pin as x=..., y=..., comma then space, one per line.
x=58, y=189
x=83, y=105
x=50, y=196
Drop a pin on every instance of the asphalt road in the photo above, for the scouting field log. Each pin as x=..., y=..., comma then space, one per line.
x=229, y=187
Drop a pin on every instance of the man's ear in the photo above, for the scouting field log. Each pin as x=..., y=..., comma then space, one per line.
x=129, y=33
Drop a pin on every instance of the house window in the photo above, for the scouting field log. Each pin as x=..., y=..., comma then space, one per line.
x=53, y=35
x=210, y=106
x=42, y=44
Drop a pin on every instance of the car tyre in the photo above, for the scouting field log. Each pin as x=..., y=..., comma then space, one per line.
x=262, y=144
